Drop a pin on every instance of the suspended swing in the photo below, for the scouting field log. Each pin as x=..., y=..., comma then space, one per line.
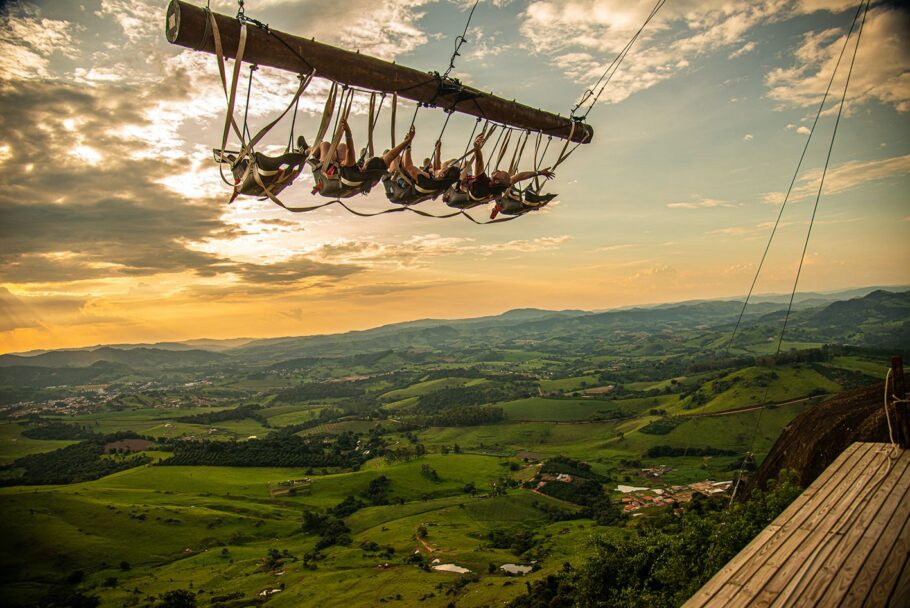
x=259, y=175
x=404, y=189
x=254, y=173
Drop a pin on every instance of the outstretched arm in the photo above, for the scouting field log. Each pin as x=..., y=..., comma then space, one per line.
x=437, y=156
x=518, y=177
x=478, y=155
x=350, y=158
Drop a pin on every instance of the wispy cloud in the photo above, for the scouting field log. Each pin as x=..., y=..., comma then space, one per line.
x=704, y=203
x=882, y=70
x=844, y=177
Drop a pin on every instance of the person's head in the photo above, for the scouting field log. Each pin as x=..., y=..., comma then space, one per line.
x=452, y=173
x=501, y=179
x=375, y=164
x=426, y=162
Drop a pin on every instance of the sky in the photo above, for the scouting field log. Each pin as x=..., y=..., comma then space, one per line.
x=115, y=227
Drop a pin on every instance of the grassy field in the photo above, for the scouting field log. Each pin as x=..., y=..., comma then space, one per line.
x=569, y=384
x=13, y=445
x=757, y=385
x=424, y=388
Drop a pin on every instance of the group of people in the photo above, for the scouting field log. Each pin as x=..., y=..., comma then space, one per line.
x=462, y=184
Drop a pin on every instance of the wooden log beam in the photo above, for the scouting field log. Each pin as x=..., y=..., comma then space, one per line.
x=186, y=25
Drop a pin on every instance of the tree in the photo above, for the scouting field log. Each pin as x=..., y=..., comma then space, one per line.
x=178, y=598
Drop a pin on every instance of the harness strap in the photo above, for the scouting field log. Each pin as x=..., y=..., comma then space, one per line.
x=517, y=154
x=264, y=130
x=327, y=112
x=232, y=94
x=370, y=116
x=394, y=113
x=345, y=107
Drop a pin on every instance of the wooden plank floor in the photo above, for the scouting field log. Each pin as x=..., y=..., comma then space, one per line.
x=844, y=542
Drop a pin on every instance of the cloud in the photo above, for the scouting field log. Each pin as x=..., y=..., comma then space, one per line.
x=844, y=177
x=572, y=33
x=882, y=71
x=29, y=41
x=14, y=314
x=743, y=50
x=803, y=130
x=100, y=214
x=748, y=137
x=290, y=271
x=704, y=203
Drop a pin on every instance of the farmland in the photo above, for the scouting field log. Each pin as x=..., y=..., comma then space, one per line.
x=406, y=456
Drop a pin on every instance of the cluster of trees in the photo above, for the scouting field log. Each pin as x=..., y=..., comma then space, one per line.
x=570, y=466
x=270, y=452
x=238, y=413
x=472, y=415
x=322, y=390
x=462, y=396
x=58, y=430
x=668, y=559
x=518, y=540
x=663, y=426
x=330, y=529
x=75, y=463
x=664, y=451
x=377, y=491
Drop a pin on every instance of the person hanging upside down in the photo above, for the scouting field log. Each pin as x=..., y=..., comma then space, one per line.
x=479, y=188
x=341, y=175
x=409, y=184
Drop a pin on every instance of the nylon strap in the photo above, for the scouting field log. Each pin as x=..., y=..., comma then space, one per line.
x=247, y=149
x=327, y=112
x=394, y=113
x=232, y=94
x=371, y=114
x=345, y=110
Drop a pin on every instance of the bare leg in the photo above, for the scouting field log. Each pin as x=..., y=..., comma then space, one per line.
x=395, y=152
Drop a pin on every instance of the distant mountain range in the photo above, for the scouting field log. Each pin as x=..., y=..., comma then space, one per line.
x=853, y=316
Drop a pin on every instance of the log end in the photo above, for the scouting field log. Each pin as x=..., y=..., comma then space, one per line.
x=172, y=21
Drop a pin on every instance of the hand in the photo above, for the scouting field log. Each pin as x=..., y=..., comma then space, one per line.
x=546, y=173
x=411, y=133
x=478, y=142
x=344, y=125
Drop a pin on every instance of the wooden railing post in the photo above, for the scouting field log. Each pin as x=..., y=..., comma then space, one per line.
x=902, y=407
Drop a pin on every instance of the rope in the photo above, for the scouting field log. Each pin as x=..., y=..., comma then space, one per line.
x=293, y=121
x=502, y=150
x=327, y=112
x=460, y=40
x=246, y=107
x=614, y=66
x=446, y=123
x=539, y=162
x=401, y=209
x=821, y=183
x=792, y=182
x=519, y=151
x=887, y=415
x=815, y=208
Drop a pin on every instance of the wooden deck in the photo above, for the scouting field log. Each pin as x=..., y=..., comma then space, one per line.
x=844, y=542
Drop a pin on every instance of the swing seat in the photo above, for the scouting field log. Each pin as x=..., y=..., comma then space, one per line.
x=343, y=182
x=402, y=190
x=518, y=202
x=459, y=199
x=252, y=174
